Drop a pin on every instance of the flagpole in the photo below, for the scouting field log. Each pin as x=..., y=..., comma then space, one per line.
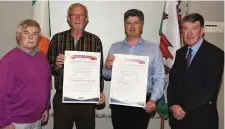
x=162, y=122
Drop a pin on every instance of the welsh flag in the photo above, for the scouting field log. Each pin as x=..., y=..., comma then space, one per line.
x=169, y=33
x=41, y=15
x=169, y=43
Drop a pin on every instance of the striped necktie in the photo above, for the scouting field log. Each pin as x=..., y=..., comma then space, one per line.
x=189, y=57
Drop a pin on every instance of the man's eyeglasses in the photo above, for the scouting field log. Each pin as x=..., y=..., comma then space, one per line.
x=76, y=14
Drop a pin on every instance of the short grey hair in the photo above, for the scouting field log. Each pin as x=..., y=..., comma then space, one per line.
x=24, y=24
x=77, y=5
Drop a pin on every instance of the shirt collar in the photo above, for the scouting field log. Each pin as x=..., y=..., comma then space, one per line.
x=84, y=33
x=196, y=46
x=27, y=51
x=140, y=41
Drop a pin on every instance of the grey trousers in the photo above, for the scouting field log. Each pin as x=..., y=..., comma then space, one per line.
x=34, y=125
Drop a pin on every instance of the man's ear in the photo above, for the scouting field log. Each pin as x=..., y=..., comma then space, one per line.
x=202, y=30
x=67, y=20
x=39, y=39
x=87, y=21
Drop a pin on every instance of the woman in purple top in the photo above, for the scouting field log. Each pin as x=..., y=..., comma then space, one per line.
x=25, y=81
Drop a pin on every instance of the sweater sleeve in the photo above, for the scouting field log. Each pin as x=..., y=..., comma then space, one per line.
x=6, y=85
x=48, y=106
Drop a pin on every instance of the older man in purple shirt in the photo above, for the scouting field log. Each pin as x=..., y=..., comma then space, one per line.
x=25, y=81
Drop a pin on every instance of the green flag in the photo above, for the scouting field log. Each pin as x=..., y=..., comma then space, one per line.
x=162, y=108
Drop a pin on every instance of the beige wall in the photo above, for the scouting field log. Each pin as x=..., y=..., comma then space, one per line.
x=11, y=13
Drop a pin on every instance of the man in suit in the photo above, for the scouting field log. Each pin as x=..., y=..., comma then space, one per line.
x=195, y=79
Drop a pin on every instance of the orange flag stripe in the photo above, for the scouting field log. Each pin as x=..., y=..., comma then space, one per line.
x=43, y=44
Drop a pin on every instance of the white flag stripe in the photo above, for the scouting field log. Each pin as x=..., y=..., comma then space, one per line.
x=171, y=30
x=41, y=15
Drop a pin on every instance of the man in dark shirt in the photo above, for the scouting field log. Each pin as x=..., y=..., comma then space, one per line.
x=78, y=40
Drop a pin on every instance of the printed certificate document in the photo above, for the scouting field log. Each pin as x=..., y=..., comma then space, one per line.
x=129, y=80
x=81, y=77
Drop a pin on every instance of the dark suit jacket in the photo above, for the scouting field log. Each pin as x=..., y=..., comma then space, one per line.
x=196, y=88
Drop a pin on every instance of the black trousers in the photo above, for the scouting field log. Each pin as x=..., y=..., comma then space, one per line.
x=125, y=117
x=66, y=114
x=205, y=117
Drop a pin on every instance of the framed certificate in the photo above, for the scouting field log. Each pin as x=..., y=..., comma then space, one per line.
x=81, y=77
x=129, y=80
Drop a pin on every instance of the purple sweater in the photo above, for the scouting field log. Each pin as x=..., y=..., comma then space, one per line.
x=24, y=87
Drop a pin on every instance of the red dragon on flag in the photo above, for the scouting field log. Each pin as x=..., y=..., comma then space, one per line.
x=164, y=42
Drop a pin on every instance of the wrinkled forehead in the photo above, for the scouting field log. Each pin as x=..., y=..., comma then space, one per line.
x=133, y=19
x=30, y=28
x=189, y=23
x=77, y=9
